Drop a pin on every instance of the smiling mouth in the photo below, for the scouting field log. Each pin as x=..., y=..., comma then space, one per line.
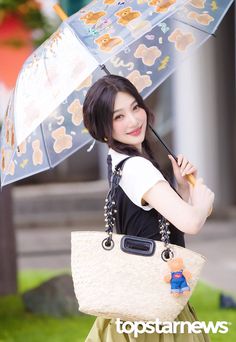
x=136, y=131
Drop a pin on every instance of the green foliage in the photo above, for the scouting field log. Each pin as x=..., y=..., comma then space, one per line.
x=205, y=300
x=31, y=15
x=30, y=278
x=16, y=325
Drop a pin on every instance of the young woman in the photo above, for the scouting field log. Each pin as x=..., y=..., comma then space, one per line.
x=115, y=113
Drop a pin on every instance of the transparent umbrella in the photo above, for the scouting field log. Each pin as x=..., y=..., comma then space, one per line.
x=143, y=41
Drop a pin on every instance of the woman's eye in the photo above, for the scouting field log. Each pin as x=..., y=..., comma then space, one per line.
x=118, y=117
x=135, y=107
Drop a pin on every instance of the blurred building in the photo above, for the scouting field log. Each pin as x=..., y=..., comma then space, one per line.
x=204, y=123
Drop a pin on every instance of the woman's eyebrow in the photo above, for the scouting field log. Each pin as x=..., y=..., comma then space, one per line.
x=117, y=110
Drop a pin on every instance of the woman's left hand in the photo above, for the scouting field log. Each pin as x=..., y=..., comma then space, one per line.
x=182, y=168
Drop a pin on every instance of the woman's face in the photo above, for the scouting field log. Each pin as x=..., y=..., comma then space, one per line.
x=129, y=121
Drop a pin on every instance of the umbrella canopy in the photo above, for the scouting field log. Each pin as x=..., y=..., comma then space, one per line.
x=141, y=40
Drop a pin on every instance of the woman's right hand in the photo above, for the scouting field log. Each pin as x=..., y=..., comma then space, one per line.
x=202, y=197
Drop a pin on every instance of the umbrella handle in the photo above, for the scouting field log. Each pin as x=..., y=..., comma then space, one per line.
x=192, y=180
x=59, y=11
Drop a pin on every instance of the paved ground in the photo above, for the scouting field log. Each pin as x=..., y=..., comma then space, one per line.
x=50, y=249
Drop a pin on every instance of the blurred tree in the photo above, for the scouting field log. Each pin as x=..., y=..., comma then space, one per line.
x=18, y=21
x=29, y=13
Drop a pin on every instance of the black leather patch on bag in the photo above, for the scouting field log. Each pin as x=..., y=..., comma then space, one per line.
x=137, y=245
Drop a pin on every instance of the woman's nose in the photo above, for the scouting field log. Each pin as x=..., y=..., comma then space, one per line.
x=133, y=119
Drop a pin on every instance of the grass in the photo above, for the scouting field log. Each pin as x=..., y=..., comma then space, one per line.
x=16, y=325
x=205, y=301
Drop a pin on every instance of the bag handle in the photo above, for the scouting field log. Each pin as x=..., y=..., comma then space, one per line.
x=110, y=211
x=110, y=205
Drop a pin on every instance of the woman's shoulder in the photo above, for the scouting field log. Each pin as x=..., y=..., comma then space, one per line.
x=138, y=163
x=131, y=163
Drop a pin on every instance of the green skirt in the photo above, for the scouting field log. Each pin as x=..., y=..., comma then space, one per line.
x=104, y=330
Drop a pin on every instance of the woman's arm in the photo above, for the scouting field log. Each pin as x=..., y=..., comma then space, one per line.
x=184, y=192
x=187, y=218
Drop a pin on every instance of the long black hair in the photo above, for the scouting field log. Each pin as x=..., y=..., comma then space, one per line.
x=98, y=111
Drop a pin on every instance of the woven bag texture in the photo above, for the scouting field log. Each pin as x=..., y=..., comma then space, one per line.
x=112, y=283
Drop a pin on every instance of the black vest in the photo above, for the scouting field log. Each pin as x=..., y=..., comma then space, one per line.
x=133, y=220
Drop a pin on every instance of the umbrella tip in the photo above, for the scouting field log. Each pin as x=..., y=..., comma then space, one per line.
x=59, y=11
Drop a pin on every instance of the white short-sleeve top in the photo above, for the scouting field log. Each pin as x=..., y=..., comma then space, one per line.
x=138, y=176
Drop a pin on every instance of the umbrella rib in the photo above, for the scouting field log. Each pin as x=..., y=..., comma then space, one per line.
x=196, y=28
x=45, y=147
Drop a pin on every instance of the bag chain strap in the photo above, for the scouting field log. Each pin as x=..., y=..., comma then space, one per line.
x=110, y=210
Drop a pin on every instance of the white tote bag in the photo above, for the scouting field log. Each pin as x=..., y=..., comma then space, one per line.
x=116, y=284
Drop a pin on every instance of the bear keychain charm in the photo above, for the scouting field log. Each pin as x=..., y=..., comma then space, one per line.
x=178, y=277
